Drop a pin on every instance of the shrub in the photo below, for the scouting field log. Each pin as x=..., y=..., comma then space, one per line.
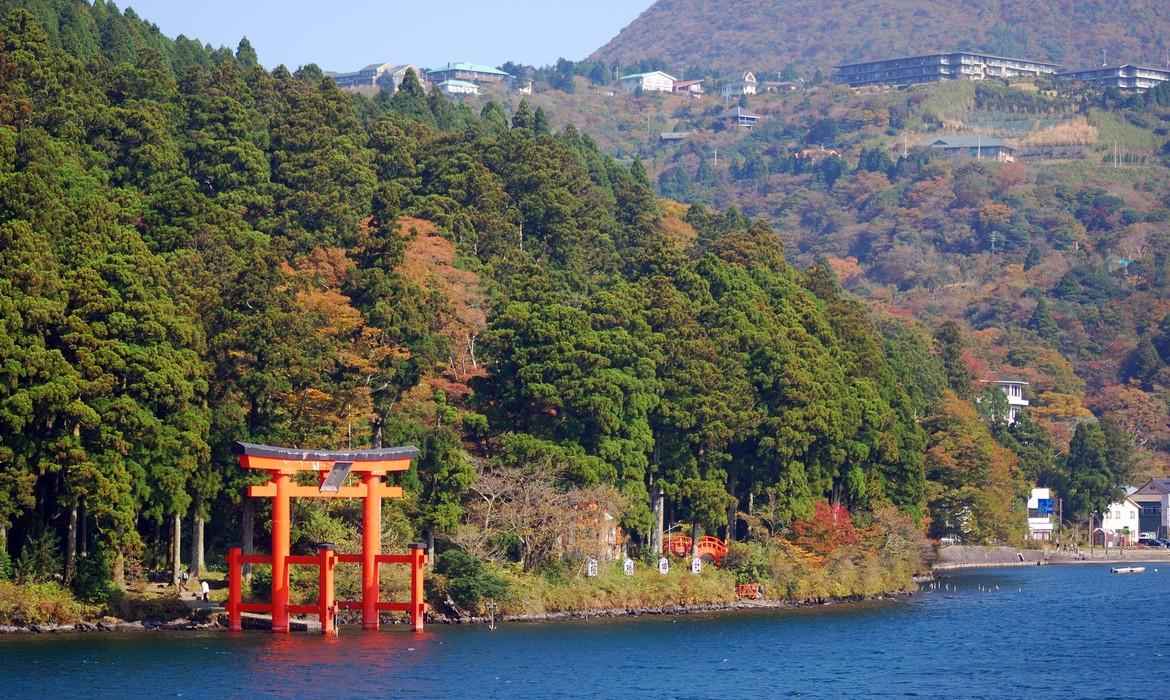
x=136, y=608
x=751, y=562
x=465, y=579
x=40, y=558
x=40, y=603
x=92, y=583
x=6, y=571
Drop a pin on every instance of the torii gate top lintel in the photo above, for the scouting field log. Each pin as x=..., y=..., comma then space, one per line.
x=289, y=460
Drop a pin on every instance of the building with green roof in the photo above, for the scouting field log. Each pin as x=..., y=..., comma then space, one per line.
x=468, y=72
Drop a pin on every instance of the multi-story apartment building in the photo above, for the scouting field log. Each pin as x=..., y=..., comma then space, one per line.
x=1126, y=78
x=930, y=68
x=374, y=75
x=468, y=72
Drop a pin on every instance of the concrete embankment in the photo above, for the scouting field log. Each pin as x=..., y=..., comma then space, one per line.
x=975, y=557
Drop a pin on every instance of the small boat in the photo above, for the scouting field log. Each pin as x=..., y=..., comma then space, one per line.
x=1128, y=570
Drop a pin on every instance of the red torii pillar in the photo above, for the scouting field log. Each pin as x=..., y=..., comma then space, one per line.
x=281, y=463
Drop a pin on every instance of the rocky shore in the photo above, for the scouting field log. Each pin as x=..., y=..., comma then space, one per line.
x=215, y=620
x=110, y=626
x=672, y=609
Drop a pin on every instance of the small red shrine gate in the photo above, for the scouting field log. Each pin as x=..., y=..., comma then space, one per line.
x=332, y=468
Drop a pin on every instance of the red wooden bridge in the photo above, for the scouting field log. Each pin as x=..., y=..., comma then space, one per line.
x=709, y=548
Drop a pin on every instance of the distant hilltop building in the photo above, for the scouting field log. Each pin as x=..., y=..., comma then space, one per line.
x=937, y=67
x=977, y=147
x=694, y=88
x=739, y=84
x=457, y=87
x=1126, y=78
x=655, y=81
x=1013, y=389
x=469, y=73
x=382, y=75
x=741, y=117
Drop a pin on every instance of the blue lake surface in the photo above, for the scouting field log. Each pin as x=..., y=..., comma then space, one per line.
x=1047, y=632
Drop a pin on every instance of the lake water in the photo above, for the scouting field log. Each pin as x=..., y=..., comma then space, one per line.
x=1056, y=631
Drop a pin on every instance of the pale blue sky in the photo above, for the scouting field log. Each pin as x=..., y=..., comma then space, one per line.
x=345, y=35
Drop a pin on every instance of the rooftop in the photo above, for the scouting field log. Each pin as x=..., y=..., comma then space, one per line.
x=740, y=112
x=965, y=142
x=950, y=53
x=1095, y=69
x=643, y=75
x=470, y=67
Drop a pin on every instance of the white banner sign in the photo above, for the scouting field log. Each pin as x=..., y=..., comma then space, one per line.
x=629, y=566
x=592, y=567
x=664, y=566
x=696, y=565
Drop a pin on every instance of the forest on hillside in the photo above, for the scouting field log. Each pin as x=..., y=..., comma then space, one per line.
x=195, y=251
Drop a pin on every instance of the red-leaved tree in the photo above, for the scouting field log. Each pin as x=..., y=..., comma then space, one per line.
x=830, y=527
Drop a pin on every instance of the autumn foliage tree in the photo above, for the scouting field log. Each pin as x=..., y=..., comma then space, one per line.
x=830, y=527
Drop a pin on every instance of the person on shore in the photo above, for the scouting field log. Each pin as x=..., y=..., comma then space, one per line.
x=206, y=589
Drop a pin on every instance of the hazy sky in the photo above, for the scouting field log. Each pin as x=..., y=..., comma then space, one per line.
x=345, y=35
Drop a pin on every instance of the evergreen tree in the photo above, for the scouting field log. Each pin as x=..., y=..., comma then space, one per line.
x=1042, y=321
x=948, y=342
x=523, y=118
x=540, y=122
x=1088, y=483
x=246, y=55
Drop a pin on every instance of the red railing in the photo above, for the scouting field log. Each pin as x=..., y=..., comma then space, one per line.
x=680, y=546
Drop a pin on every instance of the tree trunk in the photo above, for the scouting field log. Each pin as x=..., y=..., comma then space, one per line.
x=196, y=564
x=659, y=521
x=430, y=548
x=249, y=524
x=119, y=567
x=733, y=509
x=694, y=538
x=176, y=549
x=751, y=508
x=82, y=532
x=71, y=542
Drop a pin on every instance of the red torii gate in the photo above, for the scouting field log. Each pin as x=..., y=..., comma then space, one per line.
x=332, y=467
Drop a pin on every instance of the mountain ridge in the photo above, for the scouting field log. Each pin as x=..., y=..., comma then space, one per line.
x=820, y=34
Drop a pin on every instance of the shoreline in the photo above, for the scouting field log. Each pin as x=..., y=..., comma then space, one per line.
x=218, y=623
x=676, y=610
x=958, y=566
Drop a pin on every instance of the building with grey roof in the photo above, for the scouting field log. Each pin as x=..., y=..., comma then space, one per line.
x=1126, y=78
x=936, y=67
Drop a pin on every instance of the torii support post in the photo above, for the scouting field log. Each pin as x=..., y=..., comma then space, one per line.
x=235, y=593
x=371, y=548
x=418, y=606
x=326, y=560
x=280, y=547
